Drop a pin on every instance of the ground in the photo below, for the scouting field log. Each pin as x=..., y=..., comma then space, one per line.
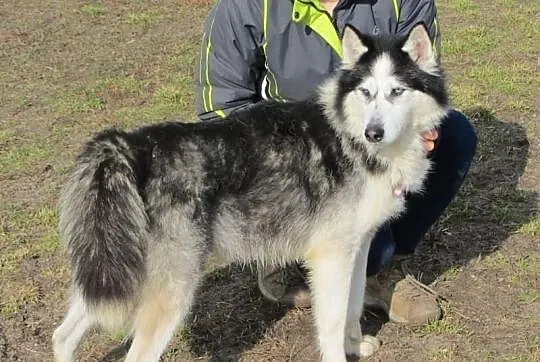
x=70, y=68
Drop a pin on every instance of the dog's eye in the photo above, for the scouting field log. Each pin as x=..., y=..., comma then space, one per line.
x=365, y=92
x=395, y=92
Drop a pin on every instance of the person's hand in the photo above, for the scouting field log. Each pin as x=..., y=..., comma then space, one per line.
x=429, y=138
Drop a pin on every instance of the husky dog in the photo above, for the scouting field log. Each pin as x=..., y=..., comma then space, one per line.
x=278, y=182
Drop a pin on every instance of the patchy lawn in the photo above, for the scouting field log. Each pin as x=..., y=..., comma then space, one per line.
x=69, y=69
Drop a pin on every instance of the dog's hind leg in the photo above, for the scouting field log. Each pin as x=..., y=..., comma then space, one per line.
x=158, y=317
x=174, y=274
x=331, y=266
x=357, y=344
x=68, y=335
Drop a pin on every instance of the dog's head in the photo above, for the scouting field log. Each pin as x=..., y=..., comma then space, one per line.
x=386, y=85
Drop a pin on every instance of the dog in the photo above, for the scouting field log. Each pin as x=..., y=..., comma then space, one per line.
x=306, y=181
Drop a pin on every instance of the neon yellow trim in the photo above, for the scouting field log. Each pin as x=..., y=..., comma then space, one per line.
x=265, y=20
x=208, y=47
x=396, y=9
x=317, y=18
x=207, y=91
x=272, y=81
x=436, y=21
x=201, y=72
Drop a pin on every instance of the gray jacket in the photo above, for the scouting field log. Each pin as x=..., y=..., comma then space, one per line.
x=283, y=49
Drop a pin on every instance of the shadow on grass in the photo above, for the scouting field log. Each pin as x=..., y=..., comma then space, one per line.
x=230, y=315
x=489, y=206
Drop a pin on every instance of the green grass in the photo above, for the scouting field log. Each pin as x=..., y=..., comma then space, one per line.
x=451, y=273
x=84, y=101
x=479, y=39
x=465, y=7
x=531, y=228
x=26, y=232
x=120, y=87
x=529, y=297
x=93, y=10
x=10, y=261
x=5, y=135
x=142, y=72
x=442, y=327
x=140, y=19
x=19, y=295
x=490, y=67
x=24, y=157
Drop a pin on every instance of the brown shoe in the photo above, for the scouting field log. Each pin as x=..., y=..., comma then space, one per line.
x=401, y=296
x=285, y=285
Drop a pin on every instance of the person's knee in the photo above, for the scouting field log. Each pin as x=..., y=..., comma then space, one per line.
x=459, y=137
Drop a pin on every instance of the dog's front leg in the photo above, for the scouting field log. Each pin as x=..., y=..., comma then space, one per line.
x=331, y=265
x=357, y=344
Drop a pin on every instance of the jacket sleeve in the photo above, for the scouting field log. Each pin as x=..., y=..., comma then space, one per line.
x=413, y=12
x=231, y=62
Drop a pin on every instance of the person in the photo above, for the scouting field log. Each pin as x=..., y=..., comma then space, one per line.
x=255, y=50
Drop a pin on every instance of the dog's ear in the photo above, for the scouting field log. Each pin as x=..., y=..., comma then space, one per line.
x=418, y=46
x=353, y=46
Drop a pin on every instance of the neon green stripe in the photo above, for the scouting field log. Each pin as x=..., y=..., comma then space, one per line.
x=265, y=20
x=208, y=47
x=396, y=9
x=207, y=91
x=317, y=18
x=272, y=78
x=202, y=67
x=436, y=32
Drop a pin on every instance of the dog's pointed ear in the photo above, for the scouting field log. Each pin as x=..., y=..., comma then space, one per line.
x=418, y=46
x=353, y=46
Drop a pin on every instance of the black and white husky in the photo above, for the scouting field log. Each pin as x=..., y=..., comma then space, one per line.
x=303, y=181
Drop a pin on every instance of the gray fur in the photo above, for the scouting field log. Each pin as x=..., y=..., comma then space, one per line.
x=275, y=183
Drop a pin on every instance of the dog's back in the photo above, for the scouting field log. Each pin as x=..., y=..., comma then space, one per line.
x=273, y=183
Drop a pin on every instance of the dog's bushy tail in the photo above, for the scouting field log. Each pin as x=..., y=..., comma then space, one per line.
x=103, y=220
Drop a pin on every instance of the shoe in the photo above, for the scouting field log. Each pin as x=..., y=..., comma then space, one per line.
x=287, y=285
x=405, y=299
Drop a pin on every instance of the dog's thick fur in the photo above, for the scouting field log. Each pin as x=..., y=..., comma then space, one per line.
x=275, y=183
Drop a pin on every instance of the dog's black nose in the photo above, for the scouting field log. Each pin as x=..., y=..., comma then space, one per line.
x=374, y=133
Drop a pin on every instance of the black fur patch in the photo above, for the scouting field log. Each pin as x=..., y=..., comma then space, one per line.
x=107, y=236
x=405, y=69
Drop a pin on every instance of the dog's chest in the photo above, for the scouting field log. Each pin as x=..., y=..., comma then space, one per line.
x=383, y=195
x=378, y=202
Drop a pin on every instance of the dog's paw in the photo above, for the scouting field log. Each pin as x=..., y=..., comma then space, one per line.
x=364, y=348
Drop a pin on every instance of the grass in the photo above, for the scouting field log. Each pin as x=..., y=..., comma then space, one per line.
x=531, y=228
x=140, y=19
x=93, y=10
x=441, y=354
x=529, y=297
x=465, y=7
x=86, y=100
x=444, y=326
x=120, y=87
x=451, y=273
x=22, y=158
x=19, y=295
x=24, y=233
x=491, y=61
x=143, y=60
x=479, y=40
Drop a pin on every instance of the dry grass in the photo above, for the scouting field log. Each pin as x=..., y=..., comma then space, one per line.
x=69, y=69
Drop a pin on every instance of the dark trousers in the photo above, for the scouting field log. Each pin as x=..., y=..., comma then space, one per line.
x=452, y=158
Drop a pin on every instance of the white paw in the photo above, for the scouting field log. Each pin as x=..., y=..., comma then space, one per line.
x=365, y=348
